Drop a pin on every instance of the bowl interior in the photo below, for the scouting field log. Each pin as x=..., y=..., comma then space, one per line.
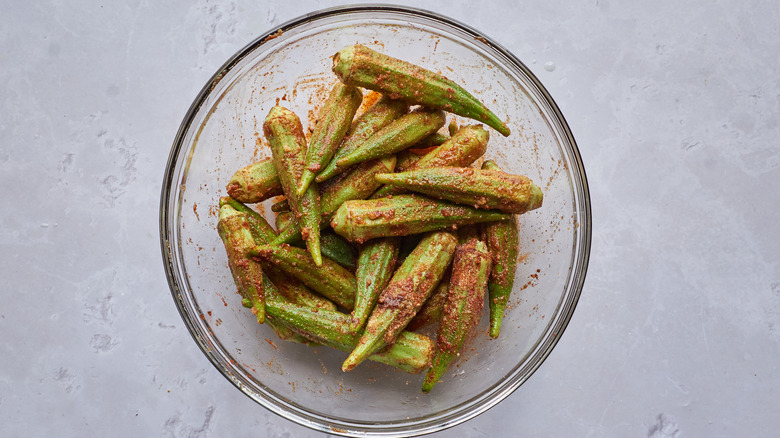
x=223, y=132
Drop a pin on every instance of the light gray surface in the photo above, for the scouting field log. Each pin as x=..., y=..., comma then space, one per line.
x=676, y=110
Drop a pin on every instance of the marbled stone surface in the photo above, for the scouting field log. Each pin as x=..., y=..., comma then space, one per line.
x=676, y=110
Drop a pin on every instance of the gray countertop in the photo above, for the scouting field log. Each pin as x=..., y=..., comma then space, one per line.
x=676, y=110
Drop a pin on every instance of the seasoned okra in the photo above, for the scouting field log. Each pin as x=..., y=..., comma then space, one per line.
x=255, y=183
x=359, y=183
x=384, y=111
x=360, y=66
x=491, y=189
x=236, y=235
x=376, y=263
x=463, y=148
x=503, y=242
x=411, y=352
x=334, y=121
x=284, y=132
x=401, y=215
x=410, y=286
x=465, y=299
x=329, y=279
x=396, y=136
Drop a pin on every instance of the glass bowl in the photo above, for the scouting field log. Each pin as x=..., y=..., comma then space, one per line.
x=222, y=131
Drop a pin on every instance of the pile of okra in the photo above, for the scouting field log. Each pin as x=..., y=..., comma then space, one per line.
x=416, y=236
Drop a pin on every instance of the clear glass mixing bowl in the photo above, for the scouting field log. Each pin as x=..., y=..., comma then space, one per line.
x=222, y=131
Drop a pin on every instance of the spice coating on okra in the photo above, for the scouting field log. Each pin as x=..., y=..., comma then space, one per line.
x=503, y=241
x=234, y=230
x=255, y=183
x=334, y=121
x=463, y=148
x=465, y=299
x=396, y=136
x=283, y=130
x=330, y=279
x=360, y=66
x=410, y=286
x=376, y=263
x=359, y=221
x=491, y=189
x=382, y=112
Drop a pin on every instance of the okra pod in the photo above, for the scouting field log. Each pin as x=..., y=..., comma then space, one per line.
x=332, y=245
x=260, y=228
x=262, y=233
x=236, y=235
x=433, y=308
x=462, y=149
x=359, y=183
x=284, y=132
x=255, y=183
x=396, y=136
x=281, y=206
x=503, y=242
x=384, y=111
x=338, y=249
x=465, y=299
x=329, y=279
x=284, y=332
x=409, y=288
x=376, y=263
x=362, y=67
x=401, y=215
x=334, y=121
x=481, y=188
x=411, y=352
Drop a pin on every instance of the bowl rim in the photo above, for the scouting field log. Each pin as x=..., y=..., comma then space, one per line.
x=475, y=406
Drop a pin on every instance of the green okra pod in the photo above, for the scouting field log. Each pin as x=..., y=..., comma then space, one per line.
x=465, y=299
x=433, y=308
x=503, y=243
x=236, y=235
x=260, y=228
x=329, y=279
x=376, y=263
x=334, y=121
x=284, y=332
x=255, y=183
x=338, y=249
x=480, y=188
x=409, y=288
x=359, y=183
x=384, y=111
x=396, y=136
x=468, y=232
x=362, y=67
x=401, y=215
x=332, y=245
x=461, y=150
x=411, y=352
x=284, y=132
